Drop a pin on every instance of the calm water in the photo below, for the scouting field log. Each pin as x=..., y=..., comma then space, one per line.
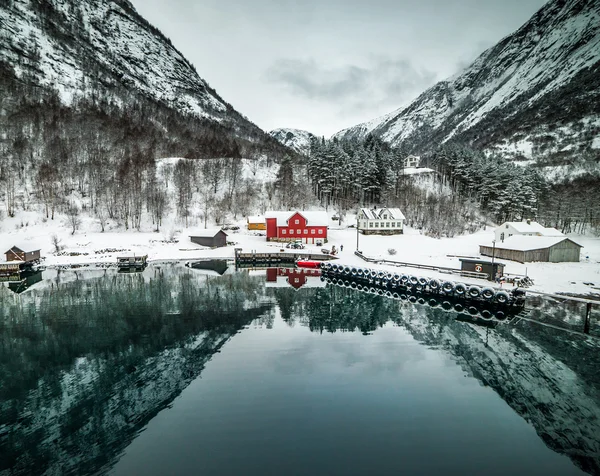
x=182, y=371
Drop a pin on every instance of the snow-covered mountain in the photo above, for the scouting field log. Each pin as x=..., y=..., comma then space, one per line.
x=104, y=48
x=534, y=95
x=295, y=139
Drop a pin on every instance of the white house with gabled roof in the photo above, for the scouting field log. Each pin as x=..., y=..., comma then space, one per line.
x=380, y=221
x=523, y=228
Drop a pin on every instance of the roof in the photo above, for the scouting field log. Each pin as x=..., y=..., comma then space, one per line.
x=313, y=218
x=15, y=249
x=207, y=233
x=527, y=243
x=375, y=213
x=479, y=261
x=256, y=219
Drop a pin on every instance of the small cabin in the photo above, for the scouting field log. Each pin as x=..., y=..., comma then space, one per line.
x=213, y=238
x=17, y=254
x=257, y=223
x=493, y=270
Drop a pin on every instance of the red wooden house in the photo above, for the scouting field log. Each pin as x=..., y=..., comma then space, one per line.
x=308, y=227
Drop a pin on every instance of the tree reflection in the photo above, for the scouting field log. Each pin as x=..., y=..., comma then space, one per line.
x=85, y=366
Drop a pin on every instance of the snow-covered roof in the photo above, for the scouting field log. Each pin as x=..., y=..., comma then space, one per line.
x=524, y=227
x=527, y=243
x=206, y=233
x=376, y=213
x=313, y=218
x=256, y=219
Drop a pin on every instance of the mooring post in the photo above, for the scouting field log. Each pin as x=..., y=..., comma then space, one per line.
x=588, y=312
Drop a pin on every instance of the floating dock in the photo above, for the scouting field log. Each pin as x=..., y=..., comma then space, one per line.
x=487, y=302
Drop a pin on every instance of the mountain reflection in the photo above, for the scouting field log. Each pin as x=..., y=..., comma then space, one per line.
x=548, y=376
x=86, y=363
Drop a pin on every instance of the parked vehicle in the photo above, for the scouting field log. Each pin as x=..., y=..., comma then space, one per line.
x=296, y=245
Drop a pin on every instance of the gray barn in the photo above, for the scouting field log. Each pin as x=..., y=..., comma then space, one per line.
x=525, y=249
x=215, y=238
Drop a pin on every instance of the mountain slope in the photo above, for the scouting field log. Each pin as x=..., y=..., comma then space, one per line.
x=103, y=50
x=295, y=139
x=535, y=94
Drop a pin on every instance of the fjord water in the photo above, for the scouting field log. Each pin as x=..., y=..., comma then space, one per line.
x=174, y=371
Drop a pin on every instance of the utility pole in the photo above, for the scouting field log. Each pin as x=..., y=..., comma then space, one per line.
x=357, y=214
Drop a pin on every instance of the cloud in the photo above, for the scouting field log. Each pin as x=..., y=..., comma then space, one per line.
x=382, y=81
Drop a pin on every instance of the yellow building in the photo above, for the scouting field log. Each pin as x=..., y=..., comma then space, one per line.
x=257, y=223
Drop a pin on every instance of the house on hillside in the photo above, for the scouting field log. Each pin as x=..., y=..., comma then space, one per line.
x=412, y=161
x=308, y=227
x=213, y=237
x=380, y=221
x=524, y=249
x=523, y=228
x=257, y=223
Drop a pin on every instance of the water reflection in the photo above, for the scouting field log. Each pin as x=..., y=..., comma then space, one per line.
x=88, y=359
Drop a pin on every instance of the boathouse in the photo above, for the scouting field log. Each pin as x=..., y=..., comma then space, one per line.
x=525, y=249
x=308, y=227
x=214, y=238
x=17, y=254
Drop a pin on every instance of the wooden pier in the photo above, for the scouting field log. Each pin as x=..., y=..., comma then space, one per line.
x=254, y=259
x=132, y=262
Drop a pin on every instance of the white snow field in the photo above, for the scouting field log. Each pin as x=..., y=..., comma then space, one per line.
x=28, y=231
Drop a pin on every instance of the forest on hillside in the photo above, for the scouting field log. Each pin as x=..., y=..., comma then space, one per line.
x=467, y=189
x=104, y=148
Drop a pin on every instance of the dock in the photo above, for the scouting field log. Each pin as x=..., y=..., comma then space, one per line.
x=253, y=259
x=132, y=262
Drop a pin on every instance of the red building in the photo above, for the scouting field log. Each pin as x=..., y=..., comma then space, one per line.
x=308, y=227
x=294, y=277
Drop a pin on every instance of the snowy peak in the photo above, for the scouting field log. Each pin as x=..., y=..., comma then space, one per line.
x=296, y=139
x=515, y=94
x=81, y=49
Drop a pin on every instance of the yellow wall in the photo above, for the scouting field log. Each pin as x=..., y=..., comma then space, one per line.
x=257, y=226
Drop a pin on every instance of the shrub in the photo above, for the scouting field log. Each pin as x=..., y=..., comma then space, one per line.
x=392, y=251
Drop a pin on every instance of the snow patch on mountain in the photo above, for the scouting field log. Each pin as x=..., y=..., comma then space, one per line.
x=512, y=96
x=296, y=139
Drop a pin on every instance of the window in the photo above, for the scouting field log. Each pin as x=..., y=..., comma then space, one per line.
x=297, y=222
x=385, y=217
x=370, y=224
x=283, y=232
x=320, y=232
x=299, y=231
x=305, y=231
x=507, y=226
x=393, y=224
x=387, y=224
x=510, y=234
x=376, y=225
x=312, y=231
x=399, y=224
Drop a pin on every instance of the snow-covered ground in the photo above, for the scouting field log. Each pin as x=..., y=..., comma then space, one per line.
x=93, y=247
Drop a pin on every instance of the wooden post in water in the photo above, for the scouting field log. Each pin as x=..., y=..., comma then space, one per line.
x=588, y=312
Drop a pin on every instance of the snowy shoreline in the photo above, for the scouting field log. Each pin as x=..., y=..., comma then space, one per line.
x=100, y=250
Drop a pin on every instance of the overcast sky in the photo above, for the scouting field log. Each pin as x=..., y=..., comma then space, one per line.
x=322, y=65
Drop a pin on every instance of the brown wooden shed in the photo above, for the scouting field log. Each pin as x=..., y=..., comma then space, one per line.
x=17, y=254
x=525, y=249
x=214, y=238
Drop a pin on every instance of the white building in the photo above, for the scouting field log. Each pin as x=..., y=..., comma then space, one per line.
x=412, y=161
x=380, y=221
x=523, y=228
